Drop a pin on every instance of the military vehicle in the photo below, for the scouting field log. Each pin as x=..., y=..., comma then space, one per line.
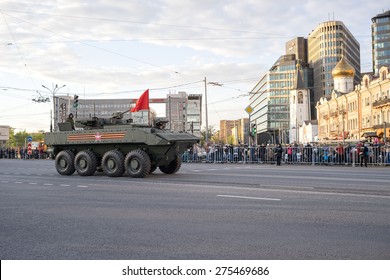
x=116, y=146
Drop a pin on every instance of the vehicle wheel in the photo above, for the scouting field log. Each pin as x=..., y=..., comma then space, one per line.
x=113, y=163
x=64, y=162
x=85, y=163
x=137, y=164
x=172, y=167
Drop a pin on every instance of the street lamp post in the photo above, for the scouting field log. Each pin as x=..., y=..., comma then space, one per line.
x=53, y=92
x=207, y=115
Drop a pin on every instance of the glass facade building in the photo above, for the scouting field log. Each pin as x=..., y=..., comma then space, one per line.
x=327, y=43
x=270, y=99
x=380, y=30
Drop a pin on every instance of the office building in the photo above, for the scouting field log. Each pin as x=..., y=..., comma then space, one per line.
x=327, y=43
x=380, y=30
x=182, y=111
x=4, y=134
x=270, y=98
x=234, y=131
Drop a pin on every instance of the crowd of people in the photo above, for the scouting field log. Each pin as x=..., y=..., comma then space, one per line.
x=21, y=153
x=362, y=153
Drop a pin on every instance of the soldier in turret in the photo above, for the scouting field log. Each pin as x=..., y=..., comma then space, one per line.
x=70, y=120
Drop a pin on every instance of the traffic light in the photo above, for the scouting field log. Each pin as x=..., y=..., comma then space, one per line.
x=75, y=101
x=254, y=130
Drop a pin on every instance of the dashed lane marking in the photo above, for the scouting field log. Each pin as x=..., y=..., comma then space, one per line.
x=248, y=197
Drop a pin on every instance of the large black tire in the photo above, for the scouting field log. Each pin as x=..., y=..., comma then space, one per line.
x=137, y=164
x=113, y=163
x=85, y=163
x=172, y=167
x=64, y=162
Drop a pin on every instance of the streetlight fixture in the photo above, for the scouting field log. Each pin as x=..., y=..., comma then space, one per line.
x=53, y=92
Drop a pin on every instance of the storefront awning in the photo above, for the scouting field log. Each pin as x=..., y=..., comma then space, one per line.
x=369, y=134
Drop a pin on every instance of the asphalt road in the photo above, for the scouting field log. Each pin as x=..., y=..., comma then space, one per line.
x=205, y=211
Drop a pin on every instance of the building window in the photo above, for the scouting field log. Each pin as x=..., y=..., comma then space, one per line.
x=300, y=97
x=383, y=75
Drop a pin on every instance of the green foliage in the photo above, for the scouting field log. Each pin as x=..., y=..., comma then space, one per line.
x=211, y=134
x=19, y=139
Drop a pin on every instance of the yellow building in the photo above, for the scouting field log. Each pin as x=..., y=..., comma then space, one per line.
x=361, y=114
x=233, y=130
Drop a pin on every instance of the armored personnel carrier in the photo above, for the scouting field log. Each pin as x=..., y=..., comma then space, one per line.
x=115, y=146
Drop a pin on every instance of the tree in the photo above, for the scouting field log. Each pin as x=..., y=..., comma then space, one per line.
x=211, y=133
x=19, y=139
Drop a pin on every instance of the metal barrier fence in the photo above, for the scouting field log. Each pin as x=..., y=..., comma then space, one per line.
x=314, y=155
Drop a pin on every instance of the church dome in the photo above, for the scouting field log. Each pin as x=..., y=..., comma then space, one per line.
x=343, y=69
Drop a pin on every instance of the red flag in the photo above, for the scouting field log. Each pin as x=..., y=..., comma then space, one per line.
x=142, y=102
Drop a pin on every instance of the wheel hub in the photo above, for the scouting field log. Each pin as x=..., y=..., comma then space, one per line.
x=83, y=163
x=111, y=164
x=63, y=163
x=134, y=164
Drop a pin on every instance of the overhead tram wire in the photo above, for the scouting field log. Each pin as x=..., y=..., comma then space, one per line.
x=132, y=58
x=144, y=23
x=17, y=47
x=267, y=35
x=96, y=47
x=112, y=52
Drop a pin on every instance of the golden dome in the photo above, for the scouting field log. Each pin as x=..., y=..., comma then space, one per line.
x=343, y=69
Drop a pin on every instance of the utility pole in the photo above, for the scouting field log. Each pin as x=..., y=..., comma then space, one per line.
x=205, y=100
x=207, y=115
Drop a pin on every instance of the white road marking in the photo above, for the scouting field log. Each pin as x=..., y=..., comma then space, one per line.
x=48, y=184
x=80, y=186
x=63, y=185
x=248, y=197
x=32, y=183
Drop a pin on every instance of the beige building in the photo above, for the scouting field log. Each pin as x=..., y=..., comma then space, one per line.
x=361, y=114
x=234, y=131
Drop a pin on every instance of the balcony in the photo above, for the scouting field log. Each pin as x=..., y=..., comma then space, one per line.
x=381, y=102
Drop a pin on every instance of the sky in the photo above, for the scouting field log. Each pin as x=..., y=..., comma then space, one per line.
x=118, y=49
